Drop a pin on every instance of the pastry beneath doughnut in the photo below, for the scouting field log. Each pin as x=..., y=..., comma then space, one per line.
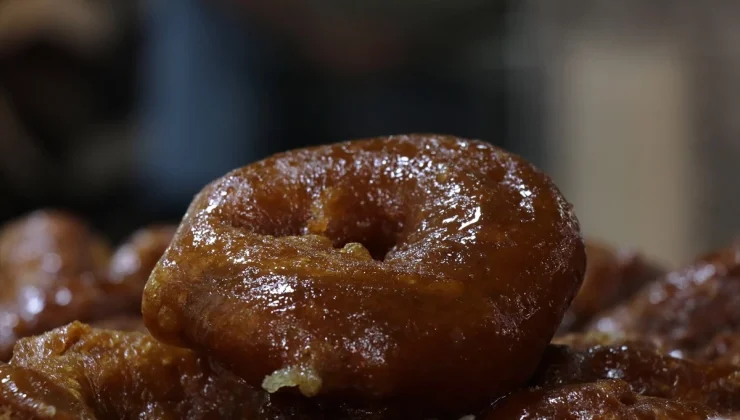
x=52, y=268
x=78, y=372
x=612, y=276
x=422, y=268
x=602, y=400
x=111, y=375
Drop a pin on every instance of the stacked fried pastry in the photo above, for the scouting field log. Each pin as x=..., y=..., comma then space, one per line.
x=410, y=277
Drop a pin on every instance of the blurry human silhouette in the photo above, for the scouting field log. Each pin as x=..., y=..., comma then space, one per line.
x=229, y=83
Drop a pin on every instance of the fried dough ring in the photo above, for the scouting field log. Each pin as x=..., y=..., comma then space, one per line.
x=412, y=267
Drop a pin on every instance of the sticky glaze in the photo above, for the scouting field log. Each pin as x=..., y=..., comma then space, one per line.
x=419, y=267
x=78, y=372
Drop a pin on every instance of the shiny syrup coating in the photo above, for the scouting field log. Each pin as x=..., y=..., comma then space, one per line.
x=414, y=267
x=29, y=395
x=79, y=372
x=52, y=268
x=101, y=374
x=612, y=276
x=647, y=372
x=686, y=307
x=133, y=262
x=602, y=400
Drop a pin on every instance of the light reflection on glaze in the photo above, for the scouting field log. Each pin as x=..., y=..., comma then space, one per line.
x=467, y=241
x=56, y=270
x=51, y=264
x=687, y=306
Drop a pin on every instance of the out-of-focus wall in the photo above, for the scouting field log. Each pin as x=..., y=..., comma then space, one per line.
x=641, y=117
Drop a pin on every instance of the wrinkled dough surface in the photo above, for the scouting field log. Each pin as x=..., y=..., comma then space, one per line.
x=429, y=268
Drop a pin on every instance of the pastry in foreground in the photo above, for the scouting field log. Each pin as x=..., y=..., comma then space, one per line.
x=80, y=372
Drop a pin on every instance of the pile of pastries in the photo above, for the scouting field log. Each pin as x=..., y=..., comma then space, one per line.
x=406, y=277
x=55, y=269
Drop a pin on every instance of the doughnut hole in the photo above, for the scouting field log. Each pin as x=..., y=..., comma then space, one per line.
x=346, y=220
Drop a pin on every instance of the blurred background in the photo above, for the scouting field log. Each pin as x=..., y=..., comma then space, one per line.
x=121, y=110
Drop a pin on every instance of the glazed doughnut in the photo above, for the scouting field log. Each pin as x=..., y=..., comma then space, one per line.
x=133, y=262
x=612, y=276
x=414, y=267
x=686, y=307
x=51, y=268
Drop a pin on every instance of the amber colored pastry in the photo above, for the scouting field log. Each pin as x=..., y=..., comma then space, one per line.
x=602, y=400
x=612, y=276
x=28, y=395
x=416, y=267
x=51, y=267
x=113, y=375
x=78, y=372
x=133, y=262
x=686, y=307
x=646, y=371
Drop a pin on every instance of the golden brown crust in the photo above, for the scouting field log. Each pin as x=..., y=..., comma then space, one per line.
x=118, y=375
x=476, y=258
x=79, y=372
x=29, y=395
